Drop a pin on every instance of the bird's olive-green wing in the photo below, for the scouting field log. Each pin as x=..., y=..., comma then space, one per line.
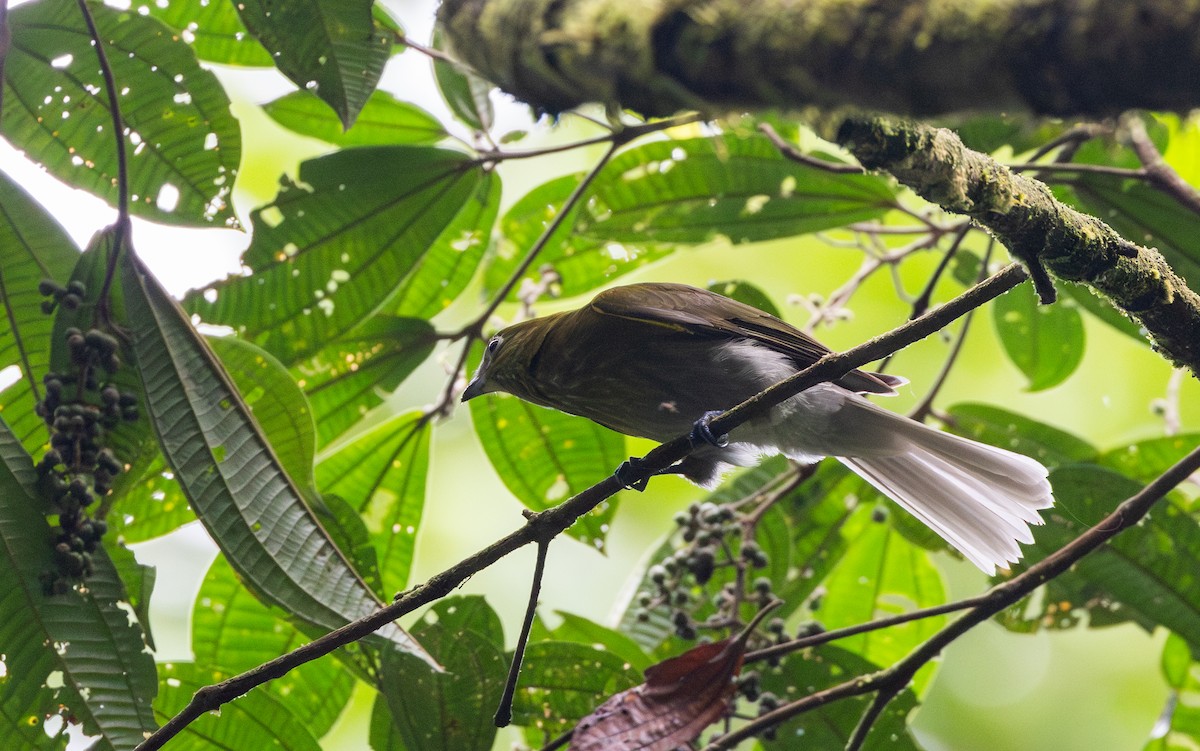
x=703, y=313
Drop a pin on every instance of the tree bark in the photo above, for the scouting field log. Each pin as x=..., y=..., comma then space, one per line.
x=1059, y=57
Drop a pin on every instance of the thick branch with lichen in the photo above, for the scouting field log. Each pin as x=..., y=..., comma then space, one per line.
x=1062, y=57
x=1038, y=229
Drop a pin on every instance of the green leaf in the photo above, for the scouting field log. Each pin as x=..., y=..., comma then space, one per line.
x=330, y=47
x=1146, y=216
x=1145, y=460
x=32, y=247
x=99, y=669
x=213, y=29
x=743, y=291
x=1147, y=574
x=384, y=120
x=562, y=682
x=879, y=576
x=183, y=144
x=686, y=191
x=235, y=483
x=437, y=277
x=576, y=628
x=1008, y=430
x=544, y=457
x=258, y=720
x=1044, y=341
x=382, y=475
x=233, y=632
x=1178, y=726
x=349, y=377
x=832, y=724
x=581, y=262
x=277, y=403
x=451, y=709
x=466, y=94
x=333, y=249
x=137, y=579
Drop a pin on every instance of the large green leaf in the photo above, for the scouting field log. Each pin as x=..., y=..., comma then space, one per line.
x=233, y=632
x=382, y=475
x=999, y=427
x=277, y=404
x=1045, y=341
x=213, y=29
x=882, y=575
x=76, y=653
x=350, y=376
x=384, y=120
x=1145, y=460
x=330, y=47
x=544, y=457
x=332, y=250
x=1147, y=574
x=32, y=247
x=576, y=628
x=438, y=711
x=183, y=145
x=685, y=191
x=235, y=483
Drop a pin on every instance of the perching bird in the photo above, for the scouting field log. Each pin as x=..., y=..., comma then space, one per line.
x=652, y=359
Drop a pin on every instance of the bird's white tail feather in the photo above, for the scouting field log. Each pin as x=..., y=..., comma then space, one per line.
x=980, y=498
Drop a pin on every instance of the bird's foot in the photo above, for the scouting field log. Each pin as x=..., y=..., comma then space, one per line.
x=702, y=433
x=624, y=472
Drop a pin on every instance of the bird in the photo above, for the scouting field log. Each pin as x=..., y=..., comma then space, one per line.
x=657, y=360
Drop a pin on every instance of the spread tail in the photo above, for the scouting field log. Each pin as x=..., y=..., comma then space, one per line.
x=979, y=498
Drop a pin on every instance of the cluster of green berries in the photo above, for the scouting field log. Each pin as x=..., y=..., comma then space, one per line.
x=710, y=532
x=70, y=296
x=78, y=469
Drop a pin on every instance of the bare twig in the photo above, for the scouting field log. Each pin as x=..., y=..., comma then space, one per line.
x=122, y=227
x=1157, y=172
x=504, y=712
x=791, y=152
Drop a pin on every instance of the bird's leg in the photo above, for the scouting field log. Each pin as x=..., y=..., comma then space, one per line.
x=701, y=433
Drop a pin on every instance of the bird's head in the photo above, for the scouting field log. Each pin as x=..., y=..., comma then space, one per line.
x=508, y=359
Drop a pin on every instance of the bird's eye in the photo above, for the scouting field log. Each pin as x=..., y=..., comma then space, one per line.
x=493, y=345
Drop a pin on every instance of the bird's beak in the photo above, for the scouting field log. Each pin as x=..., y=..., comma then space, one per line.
x=473, y=389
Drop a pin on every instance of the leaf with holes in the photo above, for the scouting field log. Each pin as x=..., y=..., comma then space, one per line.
x=654, y=196
x=33, y=247
x=236, y=484
x=330, y=47
x=183, y=145
x=351, y=376
x=99, y=669
x=544, y=457
x=562, y=682
x=233, y=632
x=335, y=248
x=382, y=475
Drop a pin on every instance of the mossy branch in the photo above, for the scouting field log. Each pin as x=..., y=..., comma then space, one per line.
x=1037, y=228
x=1058, y=57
